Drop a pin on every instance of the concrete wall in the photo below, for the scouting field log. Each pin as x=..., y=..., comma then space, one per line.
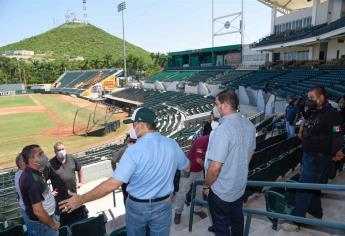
x=279, y=106
x=334, y=7
x=171, y=86
x=333, y=46
x=202, y=89
x=243, y=96
x=191, y=89
x=270, y=106
x=322, y=13
x=97, y=170
x=148, y=85
x=260, y=101
x=159, y=85
x=303, y=13
x=253, y=57
x=253, y=96
x=214, y=89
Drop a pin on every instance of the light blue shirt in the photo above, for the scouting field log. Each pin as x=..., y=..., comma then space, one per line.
x=232, y=143
x=149, y=166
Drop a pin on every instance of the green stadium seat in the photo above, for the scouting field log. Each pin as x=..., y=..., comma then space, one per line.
x=16, y=230
x=93, y=226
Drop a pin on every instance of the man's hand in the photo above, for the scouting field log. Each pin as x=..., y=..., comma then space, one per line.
x=200, y=161
x=72, y=203
x=55, y=225
x=79, y=185
x=206, y=190
x=338, y=156
x=55, y=192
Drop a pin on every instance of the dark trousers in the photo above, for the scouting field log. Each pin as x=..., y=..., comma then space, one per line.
x=81, y=213
x=314, y=169
x=227, y=217
x=124, y=192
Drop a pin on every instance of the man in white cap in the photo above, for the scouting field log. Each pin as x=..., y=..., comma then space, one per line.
x=148, y=167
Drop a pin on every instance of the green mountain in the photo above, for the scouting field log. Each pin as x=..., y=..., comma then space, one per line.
x=76, y=42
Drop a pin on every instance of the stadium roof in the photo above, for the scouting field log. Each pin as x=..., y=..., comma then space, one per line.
x=289, y=5
x=235, y=47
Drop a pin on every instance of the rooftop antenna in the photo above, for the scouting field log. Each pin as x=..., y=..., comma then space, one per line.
x=84, y=12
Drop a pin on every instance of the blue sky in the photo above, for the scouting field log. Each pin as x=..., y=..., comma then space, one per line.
x=155, y=25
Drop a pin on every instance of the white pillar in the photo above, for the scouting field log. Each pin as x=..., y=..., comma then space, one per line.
x=314, y=11
x=273, y=18
x=310, y=55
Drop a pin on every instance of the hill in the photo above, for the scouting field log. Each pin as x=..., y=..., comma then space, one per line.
x=76, y=42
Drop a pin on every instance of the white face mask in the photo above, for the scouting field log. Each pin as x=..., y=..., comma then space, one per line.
x=61, y=154
x=132, y=134
x=214, y=124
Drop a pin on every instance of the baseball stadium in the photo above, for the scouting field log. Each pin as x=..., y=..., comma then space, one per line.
x=77, y=83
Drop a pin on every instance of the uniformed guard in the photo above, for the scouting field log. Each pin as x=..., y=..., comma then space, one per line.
x=322, y=141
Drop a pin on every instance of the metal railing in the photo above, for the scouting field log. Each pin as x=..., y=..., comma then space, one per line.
x=250, y=212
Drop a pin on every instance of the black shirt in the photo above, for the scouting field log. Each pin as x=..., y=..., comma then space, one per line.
x=34, y=189
x=62, y=176
x=322, y=131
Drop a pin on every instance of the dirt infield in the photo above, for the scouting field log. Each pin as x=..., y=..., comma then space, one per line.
x=54, y=123
x=60, y=129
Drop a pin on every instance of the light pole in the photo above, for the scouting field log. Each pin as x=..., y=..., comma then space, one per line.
x=120, y=8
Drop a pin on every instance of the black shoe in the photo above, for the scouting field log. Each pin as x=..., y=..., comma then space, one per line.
x=201, y=214
x=211, y=229
x=177, y=219
x=317, y=215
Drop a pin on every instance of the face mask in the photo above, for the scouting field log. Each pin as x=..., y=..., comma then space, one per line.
x=42, y=162
x=61, y=154
x=132, y=134
x=311, y=104
x=214, y=124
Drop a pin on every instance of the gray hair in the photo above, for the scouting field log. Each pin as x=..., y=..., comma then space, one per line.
x=58, y=143
x=19, y=158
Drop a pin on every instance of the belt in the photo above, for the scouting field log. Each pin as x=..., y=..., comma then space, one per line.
x=149, y=200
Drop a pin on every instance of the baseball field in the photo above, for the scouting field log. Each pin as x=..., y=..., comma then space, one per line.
x=46, y=118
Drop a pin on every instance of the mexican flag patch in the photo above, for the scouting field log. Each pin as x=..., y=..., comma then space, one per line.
x=337, y=129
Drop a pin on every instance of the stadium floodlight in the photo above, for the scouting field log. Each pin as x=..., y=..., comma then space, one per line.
x=227, y=23
x=120, y=8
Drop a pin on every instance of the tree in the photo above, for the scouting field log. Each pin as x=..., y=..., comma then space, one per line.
x=107, y=60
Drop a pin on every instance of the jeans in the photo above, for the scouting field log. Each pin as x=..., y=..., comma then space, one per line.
x=185, y=184
x=227, y=217
x=313, y=170
x=290, y=129
x=24, y=215
x=156, y=215
x=36, y=228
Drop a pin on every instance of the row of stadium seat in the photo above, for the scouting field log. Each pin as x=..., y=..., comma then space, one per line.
x=75, y=82
x=300, y=33
x=291, y=83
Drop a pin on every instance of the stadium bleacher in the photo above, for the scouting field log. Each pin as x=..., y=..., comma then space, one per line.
x=75, y=82
x=300, y=33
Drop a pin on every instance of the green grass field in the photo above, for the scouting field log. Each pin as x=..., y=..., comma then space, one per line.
x=14, y=126
x=18, y=130
x=64, y=110
x=15, y=101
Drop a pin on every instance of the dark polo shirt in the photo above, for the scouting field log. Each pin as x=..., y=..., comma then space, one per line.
x=63, y=176
x=34, y=189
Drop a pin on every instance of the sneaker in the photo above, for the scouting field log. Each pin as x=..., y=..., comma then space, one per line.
x=290, y=227
x=201, y=214
x=177, y=219
x=211, y=229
